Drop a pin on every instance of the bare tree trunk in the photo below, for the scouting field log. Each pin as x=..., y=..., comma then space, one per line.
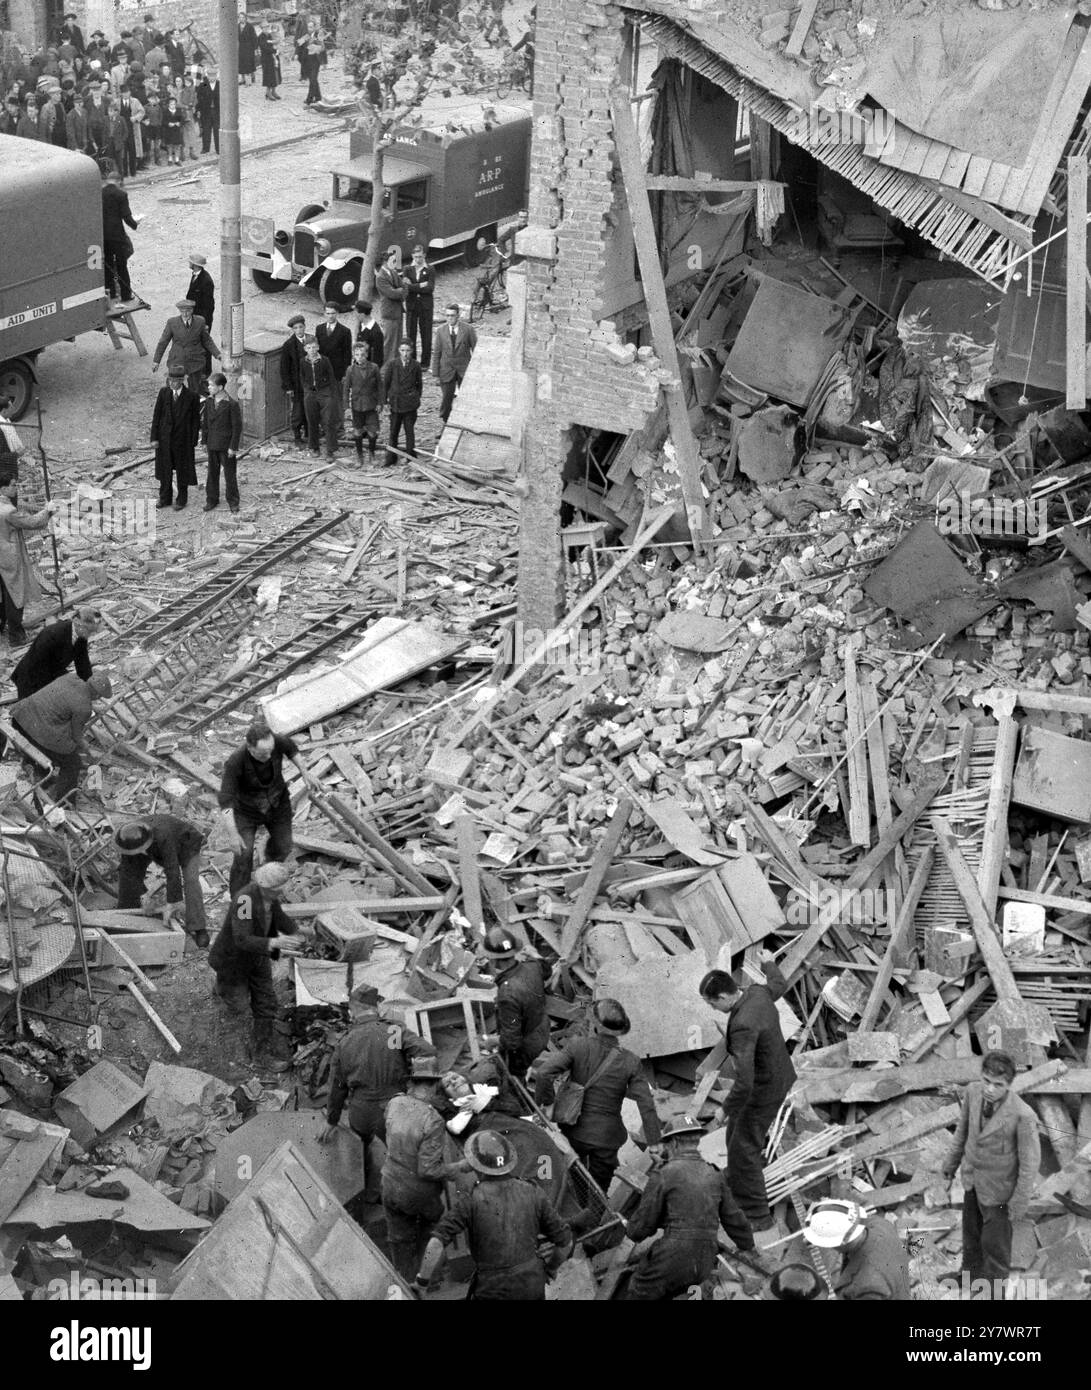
x=375, y=227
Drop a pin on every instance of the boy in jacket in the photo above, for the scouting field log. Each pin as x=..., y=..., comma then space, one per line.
x=365, y=389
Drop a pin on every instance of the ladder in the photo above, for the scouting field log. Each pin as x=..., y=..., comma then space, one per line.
x=122, y=314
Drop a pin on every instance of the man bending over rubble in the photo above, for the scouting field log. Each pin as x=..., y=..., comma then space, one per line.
x=253, y=793
x=175, y=846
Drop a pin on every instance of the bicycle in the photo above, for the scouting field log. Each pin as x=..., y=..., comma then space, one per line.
x=202, y=55
x=515, y=71
x=491, y=292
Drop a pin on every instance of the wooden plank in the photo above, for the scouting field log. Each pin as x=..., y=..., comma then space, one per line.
x=859, y=819
x=351, y=771
x=371, y=907
x=1047, y=900
x=958, y=1012
x=466, y=832
x=994, y=839
x=988, y=943
x=674, y=183
x=794, y=47
x=157, y=1022
x=902, y=928
x=655, y=294
x=585, y=899
x=1076, y=285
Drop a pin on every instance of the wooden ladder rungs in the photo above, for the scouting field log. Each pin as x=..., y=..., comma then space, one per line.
x=133, y=335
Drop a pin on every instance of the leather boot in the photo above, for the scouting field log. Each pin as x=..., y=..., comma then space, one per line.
x=268, y=1053
x=360, y=448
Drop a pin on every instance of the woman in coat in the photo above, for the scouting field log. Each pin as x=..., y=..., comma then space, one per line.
x=610, y=1074
x=173, y=123
x=18, y=582
x=187, y=101
x=248, y=52
x=270, y=65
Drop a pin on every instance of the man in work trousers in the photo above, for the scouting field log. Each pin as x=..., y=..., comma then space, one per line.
x=175, y=845
x=369, y=1067
x=55, y=719
x=292, y=357
x=503, y=1219
x=221, y=432
x=420, y=281
x=251, y=937
x=116, y=246
x=608, y=1073
x=393, y=292
x=688, y=1200
x=997, y=1145
x=402, y=390
x=55, y=649
x=335, y=345
x=416, y=1167
x=253, y=793
x=190, y=345
x=874, y=1264
x=176, y=427
x=321, y=400
x=522, y=1020
x=763, y=1077
x=451, y=352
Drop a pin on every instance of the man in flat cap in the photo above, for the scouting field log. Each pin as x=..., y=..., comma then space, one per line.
x=175, y=845
x=57, y=647
x=202, y=292
x=252, y=936
x=292, y=356
x=188, y=338
x=176, y=427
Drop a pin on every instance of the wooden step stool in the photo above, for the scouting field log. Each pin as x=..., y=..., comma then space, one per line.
x=122, y=313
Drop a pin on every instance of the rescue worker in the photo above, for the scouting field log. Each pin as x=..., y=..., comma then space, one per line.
x=252, y=936
x=503, y=1219
x=874, y=1264
x=369, y=1067
x=997, y=1145
x=608, y=1074
x=175, y=845
x=253, y=793
x=763, y=1077
x=416, y=1166
x=55, y=719
x=522, y=1021
x=688, y=1200
x=795, y=1283
x=55, y=649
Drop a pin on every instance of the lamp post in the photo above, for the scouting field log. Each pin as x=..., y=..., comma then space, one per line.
x=230, y=180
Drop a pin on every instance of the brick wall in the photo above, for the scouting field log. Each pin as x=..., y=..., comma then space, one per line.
x=27, y=18
x=568, y=351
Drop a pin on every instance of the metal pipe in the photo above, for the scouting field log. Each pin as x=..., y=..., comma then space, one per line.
x=230, y=182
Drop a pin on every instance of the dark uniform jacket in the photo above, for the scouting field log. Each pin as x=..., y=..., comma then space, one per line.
x=876, y=1270
x=1000, y=1156
x=116, y=213
x=763, y=1069
x=49, y=656
x=688, y=1199
x=252, y=788
x=371, y=1063
x=292, y=358
x=416, y=1153
x=176, y=426
x=203, y=293
x=173, y=842
x=402, y=386
x=248, y=935
x=373, y=337
x=335, y=346
x=522, y=1021
x=503, y=1219
x=600, y=1124
x=221, y=424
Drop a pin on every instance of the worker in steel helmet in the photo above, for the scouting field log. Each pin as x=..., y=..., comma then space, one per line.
x=874, y=1264
x=175, y=845
x=251, y=938
x=503, y=1219
x=522, y=1020
x=794, y=1283
x=688, y=1200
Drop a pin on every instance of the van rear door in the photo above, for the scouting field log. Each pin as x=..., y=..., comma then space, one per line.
x=412, y=214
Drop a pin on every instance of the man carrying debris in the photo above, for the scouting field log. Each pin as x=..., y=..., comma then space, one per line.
x=503, y=1219
x=416, y=1167
x=522, y=1021
x=998, y=1148
x=54, y=720
x=250, y=939
x=601, y=1074
x=688, y=1200
x=175, y=846
x=874, y=1265
x=55, y=649
x=369, y=1067
x=253, y=793
x=763, y=1077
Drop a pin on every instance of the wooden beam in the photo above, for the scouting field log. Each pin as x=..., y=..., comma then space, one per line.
x=794, y=47
x=466, y=832
x=994, y=840
x=674, y=183
x=370, y=907
x=1047, y=900
x=958, y=1012
x=902, y=927
x=659, y=319
x=859, y=819
x=988, y=943
x=1076, y=285
x=585, y=899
